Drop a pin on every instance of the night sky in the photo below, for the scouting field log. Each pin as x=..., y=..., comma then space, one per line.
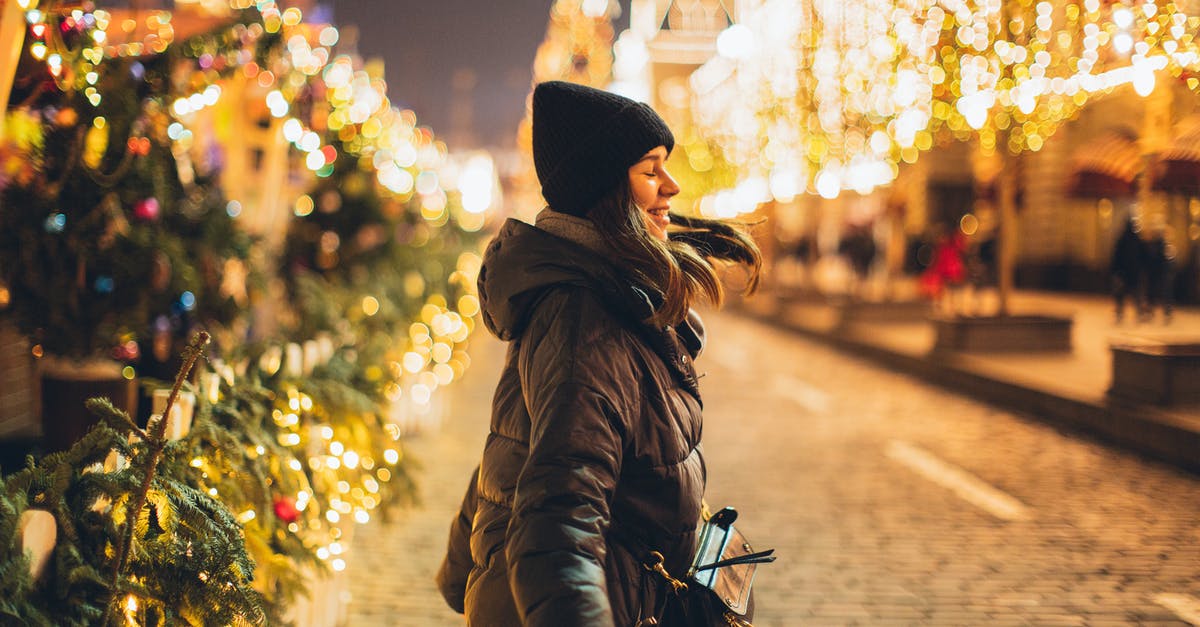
x=424, y=42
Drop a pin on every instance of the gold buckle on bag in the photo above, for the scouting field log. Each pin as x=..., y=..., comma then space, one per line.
x=733, y=620
x=654, y=564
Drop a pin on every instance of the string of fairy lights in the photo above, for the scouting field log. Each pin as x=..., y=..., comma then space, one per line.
x=405, y=159
x=825, y=96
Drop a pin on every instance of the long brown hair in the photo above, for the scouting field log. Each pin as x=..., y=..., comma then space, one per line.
x=680, y=268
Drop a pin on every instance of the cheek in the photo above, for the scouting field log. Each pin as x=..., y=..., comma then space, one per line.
x=644, y=193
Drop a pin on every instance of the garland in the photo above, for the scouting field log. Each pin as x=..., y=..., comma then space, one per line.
x=214, y=515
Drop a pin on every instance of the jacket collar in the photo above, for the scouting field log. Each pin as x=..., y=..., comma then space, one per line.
x=571, y=228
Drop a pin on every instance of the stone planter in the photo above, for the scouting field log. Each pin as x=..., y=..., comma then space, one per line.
x=66, y=387
x=799, y=295
x=857, y=311
x=1161, y=373
x=1003, y=333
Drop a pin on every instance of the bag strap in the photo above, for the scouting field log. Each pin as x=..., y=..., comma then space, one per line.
x=760, y=557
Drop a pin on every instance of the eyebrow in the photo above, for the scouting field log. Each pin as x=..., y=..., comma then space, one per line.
x=650, y=157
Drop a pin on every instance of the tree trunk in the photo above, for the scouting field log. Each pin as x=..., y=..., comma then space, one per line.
x=1006, y=230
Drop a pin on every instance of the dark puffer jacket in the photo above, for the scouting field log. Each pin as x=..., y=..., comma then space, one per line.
x=594, y=452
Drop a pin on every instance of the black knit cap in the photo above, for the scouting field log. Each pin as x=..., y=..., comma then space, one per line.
x=585, y=140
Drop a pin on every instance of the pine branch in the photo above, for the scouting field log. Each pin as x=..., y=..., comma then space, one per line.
x=155, y=443
x=103, y=409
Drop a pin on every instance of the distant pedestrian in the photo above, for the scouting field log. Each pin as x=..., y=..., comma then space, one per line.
x=947, y=272
x=858, y=247
x=1160, y=276
x=593, y=470
x=1128, y=267
x=803, y=255
x=981, y=267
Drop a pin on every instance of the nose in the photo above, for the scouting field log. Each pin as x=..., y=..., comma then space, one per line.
x=669, y=187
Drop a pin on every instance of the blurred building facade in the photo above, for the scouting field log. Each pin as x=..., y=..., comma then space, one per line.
x=1123, y=156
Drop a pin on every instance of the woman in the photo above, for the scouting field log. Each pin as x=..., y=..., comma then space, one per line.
x=593, y=460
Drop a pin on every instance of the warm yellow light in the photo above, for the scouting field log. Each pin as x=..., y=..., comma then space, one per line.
x=303, y=206
x=969, y=224
x=370, y=305
x=292, y=16
x=413, y=362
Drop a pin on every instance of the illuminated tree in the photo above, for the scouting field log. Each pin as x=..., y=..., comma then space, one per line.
x=578, y=49
x=825, y=96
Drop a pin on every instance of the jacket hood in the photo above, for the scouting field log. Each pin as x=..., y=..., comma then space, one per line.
x=522, y=262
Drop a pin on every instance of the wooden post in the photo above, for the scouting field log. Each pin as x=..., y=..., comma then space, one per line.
x=1006, y=228
x=12, y=40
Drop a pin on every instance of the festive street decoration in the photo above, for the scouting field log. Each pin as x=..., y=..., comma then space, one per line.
x=118, y=241
x=128, y=535
x=100, y=208
x=855, y=89
x=825, y=97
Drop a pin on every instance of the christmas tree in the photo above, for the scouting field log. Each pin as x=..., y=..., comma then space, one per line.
x=217, y=513
x=108, y=232
x=131, y=539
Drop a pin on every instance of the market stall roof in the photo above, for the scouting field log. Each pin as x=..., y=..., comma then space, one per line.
x=1178, y=167
x=1106, y=167
x=187, y=21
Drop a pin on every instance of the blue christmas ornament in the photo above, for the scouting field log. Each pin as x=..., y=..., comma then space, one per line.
x=104, y=284
x=56, y=222
x=188, y=301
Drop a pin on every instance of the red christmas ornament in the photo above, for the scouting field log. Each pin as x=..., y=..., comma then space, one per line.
x=146, y=209
x=138, y=146
x=127, y=351
x=285, y=509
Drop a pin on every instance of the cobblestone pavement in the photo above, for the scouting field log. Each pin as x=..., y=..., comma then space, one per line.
x=889, y=502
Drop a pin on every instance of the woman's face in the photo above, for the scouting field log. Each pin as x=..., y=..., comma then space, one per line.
x=652, y=189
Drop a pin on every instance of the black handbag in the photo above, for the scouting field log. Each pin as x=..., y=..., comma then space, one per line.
x=717, y=590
